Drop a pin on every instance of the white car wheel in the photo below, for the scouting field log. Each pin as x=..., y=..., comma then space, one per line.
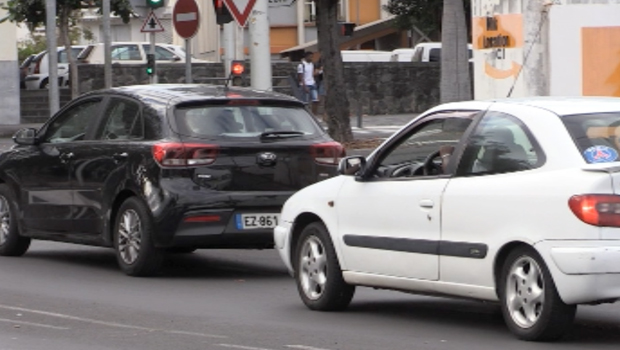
x=531, y=306
x=318, y=273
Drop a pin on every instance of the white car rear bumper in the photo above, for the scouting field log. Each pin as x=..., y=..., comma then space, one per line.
x=584, y=271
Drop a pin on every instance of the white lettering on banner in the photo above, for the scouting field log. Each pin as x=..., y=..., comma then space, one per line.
x=187, y=17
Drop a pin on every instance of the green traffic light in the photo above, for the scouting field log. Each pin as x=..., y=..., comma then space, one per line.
x=149, y=71
x=155, y=3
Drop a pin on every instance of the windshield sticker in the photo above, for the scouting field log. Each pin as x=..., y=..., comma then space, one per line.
x=600, y=154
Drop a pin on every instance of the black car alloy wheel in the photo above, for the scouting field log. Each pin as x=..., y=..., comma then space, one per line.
x=133, y=231
x=11, y=243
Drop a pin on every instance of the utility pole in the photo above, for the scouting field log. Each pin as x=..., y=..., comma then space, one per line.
x=229, y=45
x=260, y=51
x=239, y=43
x=107, y=51
x=52, y=54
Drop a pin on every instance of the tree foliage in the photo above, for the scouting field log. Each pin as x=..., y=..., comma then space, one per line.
x=33, y=13
x=426, y=15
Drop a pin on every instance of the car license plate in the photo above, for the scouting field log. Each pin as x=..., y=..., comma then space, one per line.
x=257, y=221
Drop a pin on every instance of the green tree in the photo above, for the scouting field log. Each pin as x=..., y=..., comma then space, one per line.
x=337, y=104
x=33, y=13
x=426, y=15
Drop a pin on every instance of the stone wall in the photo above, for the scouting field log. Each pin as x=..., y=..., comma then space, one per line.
x=373, y=88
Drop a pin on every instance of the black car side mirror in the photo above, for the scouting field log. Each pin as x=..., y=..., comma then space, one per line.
x=353, y=165
x=27, y=137
x=175, y=58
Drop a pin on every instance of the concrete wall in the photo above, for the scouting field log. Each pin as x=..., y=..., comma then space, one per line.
x=373, y=88
x=9, y=73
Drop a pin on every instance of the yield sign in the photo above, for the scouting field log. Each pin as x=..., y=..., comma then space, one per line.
x=240, y=10
x=152, y=24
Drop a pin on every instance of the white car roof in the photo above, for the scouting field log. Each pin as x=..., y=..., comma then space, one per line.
x=557, y=105
x=569, y=105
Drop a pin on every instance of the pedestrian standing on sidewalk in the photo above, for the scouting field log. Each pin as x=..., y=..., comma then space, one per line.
x=306, y=72
x=321, y=86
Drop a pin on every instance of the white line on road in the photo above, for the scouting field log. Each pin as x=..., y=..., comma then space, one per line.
x=104, y=323
x=304, y=347
x=243, y=347
x=20, y=322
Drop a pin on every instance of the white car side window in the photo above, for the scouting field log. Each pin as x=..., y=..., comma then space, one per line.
x=500, y=144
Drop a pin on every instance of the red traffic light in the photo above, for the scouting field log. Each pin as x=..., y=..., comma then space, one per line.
x=237, y=68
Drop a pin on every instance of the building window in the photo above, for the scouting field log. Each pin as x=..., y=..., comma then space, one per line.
x=310, y=11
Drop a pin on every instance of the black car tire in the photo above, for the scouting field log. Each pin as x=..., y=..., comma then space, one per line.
x=11, y=242
x=44, y=84
x=315, y=258
x=525, y=275
x=133, y=241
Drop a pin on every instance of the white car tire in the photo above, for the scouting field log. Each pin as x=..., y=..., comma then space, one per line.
x=317, y=271
x=531, y=305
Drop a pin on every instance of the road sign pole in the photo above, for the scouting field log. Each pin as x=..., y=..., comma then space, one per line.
x=260, y=50
x=229, y=46
x=188, y=61
x=153, y=78
x=52, y=54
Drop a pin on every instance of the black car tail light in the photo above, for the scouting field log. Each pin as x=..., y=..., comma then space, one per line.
x=176, y=154
x=328, y=153
x=597, y=209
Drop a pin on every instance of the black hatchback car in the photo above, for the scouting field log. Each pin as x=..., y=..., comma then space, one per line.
x=161, y=168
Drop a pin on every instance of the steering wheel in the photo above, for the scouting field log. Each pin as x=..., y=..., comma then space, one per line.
x=429, y=167
x=403, y=171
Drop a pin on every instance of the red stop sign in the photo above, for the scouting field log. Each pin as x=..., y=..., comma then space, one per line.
x=186, y=18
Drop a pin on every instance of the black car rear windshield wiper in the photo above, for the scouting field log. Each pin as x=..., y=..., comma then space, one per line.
x=280, y=134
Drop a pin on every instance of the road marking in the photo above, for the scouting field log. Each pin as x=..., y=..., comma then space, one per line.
x=20, y=322
x=304, y=347
x=108, y=324
x=243, y=347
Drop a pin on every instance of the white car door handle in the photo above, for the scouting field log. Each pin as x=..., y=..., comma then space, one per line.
x=427, y=203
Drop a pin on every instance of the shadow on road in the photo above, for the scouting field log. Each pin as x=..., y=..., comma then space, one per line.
x=481, y=319
x=208, y=264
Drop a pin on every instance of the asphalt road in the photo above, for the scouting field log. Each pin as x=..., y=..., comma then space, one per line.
x=61, y=296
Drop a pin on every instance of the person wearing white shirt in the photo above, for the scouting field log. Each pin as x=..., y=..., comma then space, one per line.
x=306, y=73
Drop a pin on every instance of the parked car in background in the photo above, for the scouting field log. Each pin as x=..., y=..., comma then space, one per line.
x=510, y=201
x=24, y=70
x=38, y=78
x=402, y=55
x=365, y=56
x=425, y=52
x=152, y=169
x=132, y=53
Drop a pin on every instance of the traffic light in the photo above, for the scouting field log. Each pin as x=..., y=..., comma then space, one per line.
x=155, y=3
x=347, y=28
x=150, y=64
x=236, y=77
x=222, y=15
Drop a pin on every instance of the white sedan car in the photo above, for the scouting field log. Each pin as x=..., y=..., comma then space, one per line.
x=512, y=201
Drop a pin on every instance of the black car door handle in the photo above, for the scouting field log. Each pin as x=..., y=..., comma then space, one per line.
x=120, y=156
x=64, y=157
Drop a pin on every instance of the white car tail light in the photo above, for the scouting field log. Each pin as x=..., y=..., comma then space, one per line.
x=596, y=209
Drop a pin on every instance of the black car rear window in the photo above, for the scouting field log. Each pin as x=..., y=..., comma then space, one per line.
x=596, y=135
x=245, y=121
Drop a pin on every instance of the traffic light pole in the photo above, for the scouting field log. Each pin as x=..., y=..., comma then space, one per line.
x=107, y=56
x=260, y=52
x=153, y=77
x=52, y=55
